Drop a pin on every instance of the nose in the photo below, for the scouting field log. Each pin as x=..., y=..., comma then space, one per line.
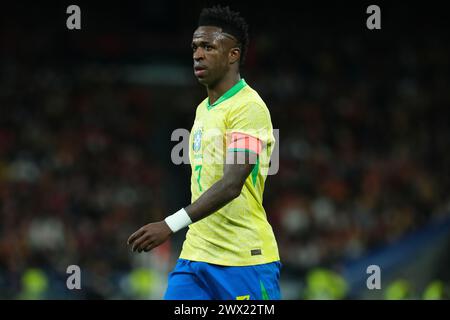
x=199, y=54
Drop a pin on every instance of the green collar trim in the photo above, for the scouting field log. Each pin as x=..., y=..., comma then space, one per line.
x=231, y=92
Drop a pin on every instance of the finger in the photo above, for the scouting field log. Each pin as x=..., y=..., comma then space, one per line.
x=151, y=246
x=144, y=245
x=139, y=241
x=135, y=235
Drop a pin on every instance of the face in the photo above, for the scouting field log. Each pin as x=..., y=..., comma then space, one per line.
x=214, y=53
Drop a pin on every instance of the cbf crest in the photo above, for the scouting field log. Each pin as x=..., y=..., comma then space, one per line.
x=197, y=143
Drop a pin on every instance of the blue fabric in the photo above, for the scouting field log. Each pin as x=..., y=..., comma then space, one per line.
x=193, y=280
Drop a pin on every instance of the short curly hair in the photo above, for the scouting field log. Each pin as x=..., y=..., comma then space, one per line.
x=231, y=22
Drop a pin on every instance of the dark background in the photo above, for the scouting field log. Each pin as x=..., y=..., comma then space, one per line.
x=86, y=118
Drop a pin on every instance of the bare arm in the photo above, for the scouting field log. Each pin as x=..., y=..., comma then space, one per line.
x=237, y=168
x=226, y=189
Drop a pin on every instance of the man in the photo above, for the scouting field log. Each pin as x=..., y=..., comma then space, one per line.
x=230, y=251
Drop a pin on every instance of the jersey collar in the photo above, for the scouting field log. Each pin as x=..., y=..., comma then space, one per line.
x=231, y=92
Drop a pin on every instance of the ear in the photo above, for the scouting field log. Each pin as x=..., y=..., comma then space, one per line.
x=234, y=55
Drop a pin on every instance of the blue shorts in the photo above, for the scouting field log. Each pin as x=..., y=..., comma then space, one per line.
x=192, y=280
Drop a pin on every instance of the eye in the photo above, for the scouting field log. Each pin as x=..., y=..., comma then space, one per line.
x=208, y=47
x=194, y=47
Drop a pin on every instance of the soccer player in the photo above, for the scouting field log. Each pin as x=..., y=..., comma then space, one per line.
x=230, y=251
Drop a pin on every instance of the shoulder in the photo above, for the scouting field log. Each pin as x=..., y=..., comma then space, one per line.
x=250, y=101
x=201, y=106
x=203, y=103
x=249, y=111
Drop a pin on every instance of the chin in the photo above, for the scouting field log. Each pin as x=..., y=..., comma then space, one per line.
x=203, y=81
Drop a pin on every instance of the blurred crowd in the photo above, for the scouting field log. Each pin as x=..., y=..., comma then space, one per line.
x=78, y=170
x=85, y=155
x=364, y=146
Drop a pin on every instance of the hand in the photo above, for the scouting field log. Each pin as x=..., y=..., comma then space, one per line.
x=149, y=236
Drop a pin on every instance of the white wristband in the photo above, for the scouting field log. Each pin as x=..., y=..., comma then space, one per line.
x=178, y=220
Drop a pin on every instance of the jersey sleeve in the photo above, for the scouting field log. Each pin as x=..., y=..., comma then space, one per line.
x=249, y=129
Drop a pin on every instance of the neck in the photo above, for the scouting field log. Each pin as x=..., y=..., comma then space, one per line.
x=217, y=90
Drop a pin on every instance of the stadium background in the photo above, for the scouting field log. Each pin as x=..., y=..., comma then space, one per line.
x=86, y=119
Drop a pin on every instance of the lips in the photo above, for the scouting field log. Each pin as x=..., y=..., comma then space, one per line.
x=199, y=70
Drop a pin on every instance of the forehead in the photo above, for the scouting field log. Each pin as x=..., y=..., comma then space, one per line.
x=207, y=33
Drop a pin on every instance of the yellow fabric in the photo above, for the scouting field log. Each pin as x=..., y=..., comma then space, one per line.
x=229, y=235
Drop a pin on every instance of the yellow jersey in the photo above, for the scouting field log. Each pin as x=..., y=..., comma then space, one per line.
x=238, y=234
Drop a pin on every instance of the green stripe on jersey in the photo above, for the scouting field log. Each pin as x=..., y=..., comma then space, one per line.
x=233, y=90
